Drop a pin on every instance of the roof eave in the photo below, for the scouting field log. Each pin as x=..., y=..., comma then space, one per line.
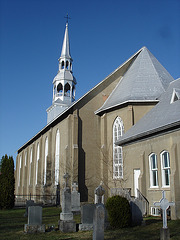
x=150, y=134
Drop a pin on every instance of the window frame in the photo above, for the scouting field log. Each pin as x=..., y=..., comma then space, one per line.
x=152, y=170
x=57, y=154
x=163, y=169
x=118, y=129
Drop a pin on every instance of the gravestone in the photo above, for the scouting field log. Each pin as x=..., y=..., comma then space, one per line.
x=87, y=212
x=136, y=212
x=99, y=194
x=164, y=204
x=75, y=198
x=66, y=223
x=34, y=220
x=98, y=222
x=28, y=204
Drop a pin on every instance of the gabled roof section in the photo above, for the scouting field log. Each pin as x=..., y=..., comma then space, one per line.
x=145, y=80
x=163, y=117
x=175, y=95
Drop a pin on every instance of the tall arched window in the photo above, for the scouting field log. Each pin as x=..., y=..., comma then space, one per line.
x=45, y=160
x=153, y=170
x=20, y=162
x=37, y=163
x=165, y=168
x=30, y=167
x=57, y=157
x=118, y=129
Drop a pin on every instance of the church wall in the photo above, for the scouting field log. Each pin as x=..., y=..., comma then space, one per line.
x=129, y=115
x=136, y=156
x=89, y=145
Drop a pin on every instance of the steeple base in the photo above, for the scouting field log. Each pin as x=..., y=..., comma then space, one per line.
x=54, y=110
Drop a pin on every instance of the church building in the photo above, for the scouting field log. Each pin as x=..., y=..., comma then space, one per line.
x=124, y=133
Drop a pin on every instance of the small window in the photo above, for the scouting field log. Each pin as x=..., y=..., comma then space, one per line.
x=60, y=89
x=153, y=170
x=67, y=64
x=62, y=65
x=155, y=211
x=165, y=168
x=175, y=95
x=67, y=90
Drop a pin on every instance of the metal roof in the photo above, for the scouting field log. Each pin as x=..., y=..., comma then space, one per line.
x=146, y=79
x=165, y=115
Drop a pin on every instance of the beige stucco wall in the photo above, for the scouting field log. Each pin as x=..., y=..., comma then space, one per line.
x=136, y=156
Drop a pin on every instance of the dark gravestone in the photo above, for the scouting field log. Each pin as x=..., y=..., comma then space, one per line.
x=87, y=212
x=28, y=204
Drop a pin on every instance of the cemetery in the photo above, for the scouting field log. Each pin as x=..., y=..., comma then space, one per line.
x=73, y=220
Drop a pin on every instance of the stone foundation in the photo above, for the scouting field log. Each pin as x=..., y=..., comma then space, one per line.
x=67, y=226
x=32, y=228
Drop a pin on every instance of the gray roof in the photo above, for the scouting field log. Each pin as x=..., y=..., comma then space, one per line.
x=164, y=116
x=145, y=80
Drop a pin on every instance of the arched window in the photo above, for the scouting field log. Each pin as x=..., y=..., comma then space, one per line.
x=118, y=129
x=37, y=164
x=165, y=169
x=73, y=92
x=60, y=89
x=57, y=157
x=45, y=159
x=67, y=64
x=67, y=90
x=30, y=167
x=153, y=170
x=20, y=162
x=62, y=65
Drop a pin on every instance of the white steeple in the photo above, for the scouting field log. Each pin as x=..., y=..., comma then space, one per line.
x=63, y=83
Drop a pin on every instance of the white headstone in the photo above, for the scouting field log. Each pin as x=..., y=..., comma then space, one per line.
x=164, y=204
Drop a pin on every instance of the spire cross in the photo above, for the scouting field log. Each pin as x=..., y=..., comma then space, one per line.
x=164, y=204
x=67, y=17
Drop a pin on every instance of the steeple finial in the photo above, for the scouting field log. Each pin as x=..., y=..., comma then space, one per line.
x=67, y=17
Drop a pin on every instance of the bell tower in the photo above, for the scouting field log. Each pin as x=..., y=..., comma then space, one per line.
x=63, y=83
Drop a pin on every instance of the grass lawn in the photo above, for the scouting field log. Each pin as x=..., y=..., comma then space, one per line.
x=12, y=226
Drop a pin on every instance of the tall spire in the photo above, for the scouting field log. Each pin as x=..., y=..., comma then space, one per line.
x=63, y=83
x=66, y=47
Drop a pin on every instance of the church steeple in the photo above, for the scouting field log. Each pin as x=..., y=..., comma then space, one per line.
x=64, y=82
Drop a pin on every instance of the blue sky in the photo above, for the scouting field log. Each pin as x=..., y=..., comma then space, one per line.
x=103, y=34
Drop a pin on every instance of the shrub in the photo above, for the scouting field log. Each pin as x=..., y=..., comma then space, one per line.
x=119, y=211
x=7, y=183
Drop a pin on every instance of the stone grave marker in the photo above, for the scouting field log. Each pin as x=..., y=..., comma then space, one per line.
x=99, y=194
x=99, y=215
x=164, y=204
x=98, y=222
x=75, y=198
x=66, y=223
x=87, y=212
x=28, y=204
x=34, y=220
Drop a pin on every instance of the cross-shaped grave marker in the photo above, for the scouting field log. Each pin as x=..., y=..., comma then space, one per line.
x=74, y=187
x=66, y=177
x=164, y=204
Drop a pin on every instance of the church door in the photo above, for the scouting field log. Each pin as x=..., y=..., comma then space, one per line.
x=136, y=181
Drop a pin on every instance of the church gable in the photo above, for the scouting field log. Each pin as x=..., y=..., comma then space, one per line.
x=145, y=80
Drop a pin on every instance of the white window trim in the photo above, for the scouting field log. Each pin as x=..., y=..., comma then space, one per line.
x=19, y=179
x=156, y=210
x=30, y=166
x=165, y=168
x=37, y=164
x=57, y=152
x=151, y=172
x=119, y=124
x=45, y=160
